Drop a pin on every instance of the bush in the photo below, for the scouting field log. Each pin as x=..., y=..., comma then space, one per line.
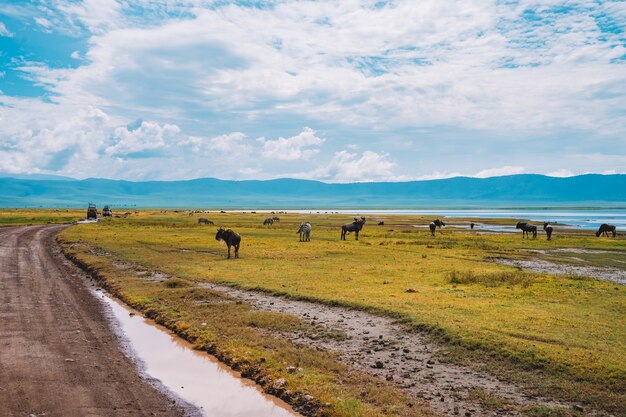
x=490, y=279
x=176, y=283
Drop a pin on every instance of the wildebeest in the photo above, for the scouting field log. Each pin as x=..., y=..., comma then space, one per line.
x=548, y=229
x=203, y=220
x=438, y=223
x=527, y=229
x=381, y=223
x=305, y=232
x=472, y=226
x=231, y=238
x=432, y=226
x=268, y=222
x=355, y=227
x=605, y=229
x=276, y=219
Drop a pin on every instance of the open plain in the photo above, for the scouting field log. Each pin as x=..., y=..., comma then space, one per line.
x=558, y=339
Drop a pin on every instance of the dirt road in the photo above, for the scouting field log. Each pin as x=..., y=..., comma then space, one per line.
x=58, y=354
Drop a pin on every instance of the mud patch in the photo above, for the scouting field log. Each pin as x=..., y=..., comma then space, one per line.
x=384, y=347
x=608, y=274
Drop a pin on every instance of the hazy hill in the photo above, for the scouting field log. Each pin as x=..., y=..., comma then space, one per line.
x=509, y=191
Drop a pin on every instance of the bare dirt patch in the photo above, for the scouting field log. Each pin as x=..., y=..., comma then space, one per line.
x=538, y=265
x=386, y=348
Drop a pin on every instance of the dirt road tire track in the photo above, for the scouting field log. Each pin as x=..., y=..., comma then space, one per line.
x=58, y=353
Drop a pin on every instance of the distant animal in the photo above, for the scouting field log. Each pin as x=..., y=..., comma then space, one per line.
x=605, y=229
x=381, y=223
x=202, y=220
x=355, y=227
x=276, y=219
x=432, y=226
x=472, y=226
x=548, y=229
x=305, y=232
x=527, y=229
x=438, y=223
x=268, y=222
x=231, y=238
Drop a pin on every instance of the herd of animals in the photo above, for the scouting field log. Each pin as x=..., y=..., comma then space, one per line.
x=233, y=239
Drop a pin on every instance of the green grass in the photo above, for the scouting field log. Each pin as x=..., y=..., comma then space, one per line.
x=19, y=217
x=568, y=334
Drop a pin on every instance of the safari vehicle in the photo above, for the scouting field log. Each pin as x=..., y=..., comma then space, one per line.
x=106, y=212
x=92, y=212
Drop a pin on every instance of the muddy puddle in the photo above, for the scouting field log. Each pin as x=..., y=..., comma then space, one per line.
x=195, y=377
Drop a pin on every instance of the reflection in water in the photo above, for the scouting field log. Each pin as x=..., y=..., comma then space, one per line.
x=194, y=376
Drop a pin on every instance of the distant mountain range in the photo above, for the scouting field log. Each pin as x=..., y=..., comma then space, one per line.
x=514, y=191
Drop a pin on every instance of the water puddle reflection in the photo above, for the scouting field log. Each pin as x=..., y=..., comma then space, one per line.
x=194, y=376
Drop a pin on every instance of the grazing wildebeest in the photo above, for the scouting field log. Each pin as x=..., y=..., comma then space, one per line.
x=605, y=229
x=527, y=229
x=203, y=220
x=231, y=238
x=438, y=223
x=305, y=232
x=472, y=226
x=432, y=226
x=548, y=229
x=268, y=222
x=276, y=219
x=381, y=223
x=355, y=227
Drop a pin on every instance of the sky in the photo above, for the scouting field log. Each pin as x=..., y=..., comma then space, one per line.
x=337, y=90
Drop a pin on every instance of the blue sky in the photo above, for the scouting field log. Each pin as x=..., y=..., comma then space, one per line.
x=337, y=91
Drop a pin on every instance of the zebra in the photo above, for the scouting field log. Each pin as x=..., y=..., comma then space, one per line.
x=548, y=229
x=268, y=222
x=231, y=238
x=527, y=229
x=203, y=220
x=605, y=229
x=432, y=226
x=355, y=227
x=305, y=232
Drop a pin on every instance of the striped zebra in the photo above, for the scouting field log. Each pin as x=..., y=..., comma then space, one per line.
x=305, y=232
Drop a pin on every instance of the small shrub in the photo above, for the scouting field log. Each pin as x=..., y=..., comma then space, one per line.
x=176, y=283
x=490, y=279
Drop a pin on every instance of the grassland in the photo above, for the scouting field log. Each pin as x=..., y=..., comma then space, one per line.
x=563, y=336
x=20, y=217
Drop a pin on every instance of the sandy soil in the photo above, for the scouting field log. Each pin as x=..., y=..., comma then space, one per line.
x=58, y=353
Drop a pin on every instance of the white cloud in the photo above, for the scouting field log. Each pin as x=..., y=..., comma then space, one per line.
x=295, y=147
x=496, y=172
x=232, y=143
x=42, y=21
x=148, y=137
x=561, y=173
x=350, y=167
x=204, y=67
x=4, y=31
